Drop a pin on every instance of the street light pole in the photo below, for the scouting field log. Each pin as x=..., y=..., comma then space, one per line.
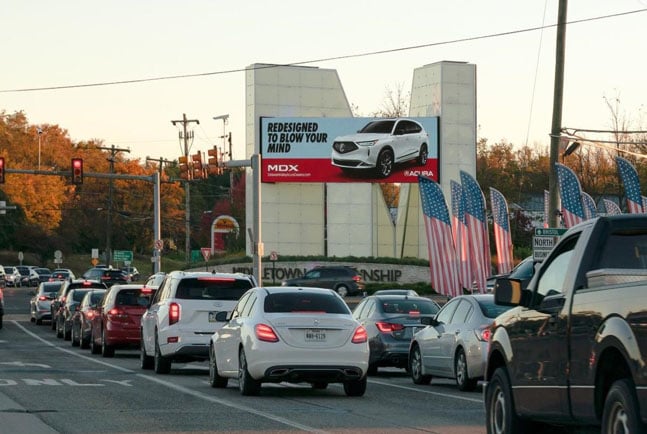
x=40, y=132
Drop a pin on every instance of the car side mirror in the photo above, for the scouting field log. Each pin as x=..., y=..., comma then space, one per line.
x=509, y=292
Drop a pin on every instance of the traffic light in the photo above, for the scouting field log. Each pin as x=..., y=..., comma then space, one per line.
x=1, y=170
x=184, y=168
x=214, y=165
x=77, y=171
x=197, y=166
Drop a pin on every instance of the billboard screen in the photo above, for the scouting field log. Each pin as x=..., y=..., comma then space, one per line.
x=308, y=149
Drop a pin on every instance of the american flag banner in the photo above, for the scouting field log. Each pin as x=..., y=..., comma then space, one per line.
x=612, y=207
x=546, y=208
x=460, y=235
x=644, y=203
x=571, y=195
x=629, y=178
x=502, y=235
x=440, y=243
x=477, y=228
x=590, y=209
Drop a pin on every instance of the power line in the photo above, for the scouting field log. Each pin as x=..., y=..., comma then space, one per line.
x=323, y=59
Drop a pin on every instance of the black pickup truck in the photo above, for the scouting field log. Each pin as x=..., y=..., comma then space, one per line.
x=573, y=350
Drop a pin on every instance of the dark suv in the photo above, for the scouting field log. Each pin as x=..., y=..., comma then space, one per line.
x=109, y=276
x=343, y=279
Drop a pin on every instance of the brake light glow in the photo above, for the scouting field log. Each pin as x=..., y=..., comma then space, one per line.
x=357, y=278
x=265, y=333
x=115, y=313
x=90, y=315
x=360, y=336
x=42, y=298
x=484, y=334
x=387, y=327
x=146, y=290
x=173, y=313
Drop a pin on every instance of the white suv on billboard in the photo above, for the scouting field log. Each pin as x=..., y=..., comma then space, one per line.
x=181, y=318
x=380, y=144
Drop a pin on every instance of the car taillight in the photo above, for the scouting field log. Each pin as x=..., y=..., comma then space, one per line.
x=42, y=298
x=173, y=313
x=115, y=313
x=483, y=334
x=63, y=299
x=90, y=315
x=265, y=333
x=360, y=336
x=357, y=278
x=387, y=327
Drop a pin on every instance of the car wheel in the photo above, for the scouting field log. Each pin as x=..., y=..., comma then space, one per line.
x=500, y=416
x=372, y=369
x=320, y=385
x=161, y=364
x=145, y=361
x=84, y=342
x=75, y=337
x=54, y=321
x=355, y=387
x=1, y=321
x=39, y=321
x=215, y=380
x=415, y=367
x=342, y=290
x=32, y=319
x=94, y=348
x=59, y=329
x=422, y=155
x=384, y=165
x=464, y=382
x=106, y=350
x=621, y=412
x=67, y=334
x=246, y=384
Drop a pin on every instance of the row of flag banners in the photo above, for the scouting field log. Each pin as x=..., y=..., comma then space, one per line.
x=458, y=242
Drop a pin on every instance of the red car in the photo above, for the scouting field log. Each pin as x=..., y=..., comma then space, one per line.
x=117, y=324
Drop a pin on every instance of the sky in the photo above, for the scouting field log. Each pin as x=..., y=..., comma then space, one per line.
x=76, y=43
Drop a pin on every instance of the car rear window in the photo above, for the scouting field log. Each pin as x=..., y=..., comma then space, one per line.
x=78, y=294
x=212, y=288
x=131, y=297
x=491, y=309
x=304, y=302
x=409, y=306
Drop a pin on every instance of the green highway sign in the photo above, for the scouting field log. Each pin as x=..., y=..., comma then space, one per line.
x=122, y=255
x=555, y=232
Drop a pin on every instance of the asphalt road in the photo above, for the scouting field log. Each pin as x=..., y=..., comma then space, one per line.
x=48, y=386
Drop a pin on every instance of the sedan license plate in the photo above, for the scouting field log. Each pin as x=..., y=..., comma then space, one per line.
x=315, y=335
x=212, y=316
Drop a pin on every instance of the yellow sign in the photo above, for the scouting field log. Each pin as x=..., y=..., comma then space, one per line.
x=94, y=262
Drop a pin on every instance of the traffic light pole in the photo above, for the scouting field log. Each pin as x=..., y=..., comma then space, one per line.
x=255, y=235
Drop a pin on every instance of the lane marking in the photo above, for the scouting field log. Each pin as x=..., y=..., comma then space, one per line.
x=414, y=389
x=182, y=389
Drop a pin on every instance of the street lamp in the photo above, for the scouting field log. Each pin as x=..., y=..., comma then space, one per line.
x=224, y=119
x=40, y=132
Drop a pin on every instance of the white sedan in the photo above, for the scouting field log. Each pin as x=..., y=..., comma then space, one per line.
x=291, y=334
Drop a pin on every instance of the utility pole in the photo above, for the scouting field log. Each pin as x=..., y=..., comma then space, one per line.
x=556, y=128
x=160, y=161
x=113, y=153
x=184, y=136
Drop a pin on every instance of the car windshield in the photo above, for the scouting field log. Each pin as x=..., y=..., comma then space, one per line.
x=380, y=127
x=304, y=302
x=490, y=309
x=209, y=288
x=408, y=307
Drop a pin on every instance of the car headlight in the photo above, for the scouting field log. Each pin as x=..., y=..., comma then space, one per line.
x=369, y=143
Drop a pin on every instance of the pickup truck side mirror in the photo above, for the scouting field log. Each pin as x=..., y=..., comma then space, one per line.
x=508, y=292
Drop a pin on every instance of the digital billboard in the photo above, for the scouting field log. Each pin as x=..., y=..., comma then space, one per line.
x=309, y=149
